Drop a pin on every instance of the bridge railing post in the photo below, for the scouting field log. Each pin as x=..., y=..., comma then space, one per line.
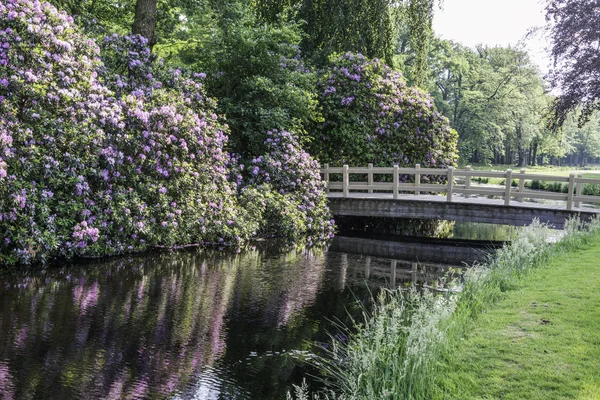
x=370, y=178
x=417, y=178
x=507, y=187
x=521, y=185
x=393, y=273
x=571, y=190
x=450, y=184
x=326, y=177
x=578, y=190
x=468, y=181
x=396, y=180
x=345, y=181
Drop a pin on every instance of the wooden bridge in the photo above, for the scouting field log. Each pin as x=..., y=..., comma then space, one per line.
x=408, y=193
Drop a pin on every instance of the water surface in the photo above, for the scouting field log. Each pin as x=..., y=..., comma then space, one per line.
x=189, y=325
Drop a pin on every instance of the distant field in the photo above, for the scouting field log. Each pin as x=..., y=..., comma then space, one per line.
x=593, y=171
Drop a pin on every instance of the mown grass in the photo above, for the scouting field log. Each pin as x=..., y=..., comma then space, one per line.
x=592, y=171
x=409, y=346
x=542, y=341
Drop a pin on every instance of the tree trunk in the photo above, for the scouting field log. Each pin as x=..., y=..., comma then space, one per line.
x=534, y=154
x=144, y=22
x=520, y=149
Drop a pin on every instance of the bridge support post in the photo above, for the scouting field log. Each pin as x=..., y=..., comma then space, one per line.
x=396, y=180
x=413, y=273
x=571, y=190
x=370, y=177
x=507, y=185
x=521, y=184
x=326, y=177
x=417, y=179
x=345, y=180
x=450, y=184
x=579, y=189
x=468, y=181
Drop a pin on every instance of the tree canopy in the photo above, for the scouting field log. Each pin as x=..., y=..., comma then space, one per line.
x=262, y=58
x=575, y=32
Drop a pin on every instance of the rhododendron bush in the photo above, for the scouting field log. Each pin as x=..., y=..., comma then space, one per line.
x=372, y=116
x=109, y=153
x=298, y=205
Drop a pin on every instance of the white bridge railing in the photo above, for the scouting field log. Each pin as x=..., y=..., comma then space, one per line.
x=455, y=185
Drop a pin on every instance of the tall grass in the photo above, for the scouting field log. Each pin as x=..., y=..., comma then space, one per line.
x=396, y=350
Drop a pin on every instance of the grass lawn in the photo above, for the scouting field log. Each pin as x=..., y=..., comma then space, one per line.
x=589, y=172
x=592, y=172
x=542, y=341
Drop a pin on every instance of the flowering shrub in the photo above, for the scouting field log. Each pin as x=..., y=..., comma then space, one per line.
x=85, y=170
x=50, y=105
x=172, y=151
x=286, y=183
x=101, y=158
x=372, y=116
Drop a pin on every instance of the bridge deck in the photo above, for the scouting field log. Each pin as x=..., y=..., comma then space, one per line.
x=472, y=209
x=459, y=199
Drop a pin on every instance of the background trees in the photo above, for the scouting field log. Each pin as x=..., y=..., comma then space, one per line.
x=495, y=99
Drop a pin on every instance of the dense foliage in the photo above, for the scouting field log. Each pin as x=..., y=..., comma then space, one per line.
x=372, y=116
x=96, y=163
x=50, y=139
x=573, y=28
x=335, y=26
x=259, y=77
x=419, y=19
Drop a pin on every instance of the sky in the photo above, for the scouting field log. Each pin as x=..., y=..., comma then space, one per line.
x=493, y=22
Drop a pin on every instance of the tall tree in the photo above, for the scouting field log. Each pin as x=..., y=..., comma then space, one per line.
x=420, y=18
x=144, y=22
x=574, y=28
x=338, y=26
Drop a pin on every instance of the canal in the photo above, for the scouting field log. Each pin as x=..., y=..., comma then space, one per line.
x=204, y=324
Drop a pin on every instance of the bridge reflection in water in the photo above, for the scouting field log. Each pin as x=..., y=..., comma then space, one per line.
x=416, y=261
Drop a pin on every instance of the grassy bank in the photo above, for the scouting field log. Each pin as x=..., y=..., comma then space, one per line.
x=409, y=347
x=592, y=172
x=542, y=341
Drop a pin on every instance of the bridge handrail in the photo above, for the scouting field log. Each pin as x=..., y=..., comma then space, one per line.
x=574, y=196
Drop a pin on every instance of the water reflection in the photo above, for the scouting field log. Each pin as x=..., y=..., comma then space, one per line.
x=445, y=251
x=184, y=325
x=482, y=231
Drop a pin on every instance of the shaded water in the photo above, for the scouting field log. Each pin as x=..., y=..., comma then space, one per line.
x=190, y=325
